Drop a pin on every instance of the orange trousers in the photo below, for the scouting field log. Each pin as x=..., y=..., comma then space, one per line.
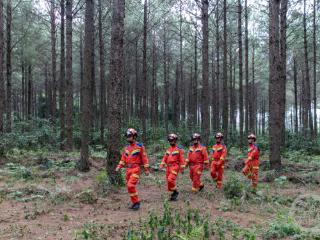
x=251, y=171
x=171, y=176
x=132, y=179
x=217, y=170
x=195, y=176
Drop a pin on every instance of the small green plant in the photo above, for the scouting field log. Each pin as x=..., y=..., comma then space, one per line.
x=93, y=231
x=233, y=188
x=282, y=227
x=87, y=197
x=281, y=181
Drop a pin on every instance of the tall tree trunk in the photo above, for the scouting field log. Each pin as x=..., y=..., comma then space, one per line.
x=62, y=93
x=307, y=109
x=86, y=109
x=9, y=66
x=176, y=97
x=144, y=108
x=53, y=61
x=137, y=82
x=240, y=74
x=216, y=108
x=154, y=97
x=46, y=92
x=23, y=89
x=315, y=130
x=166, y=81
x=69, y=80
x=283, y=65
x=205, y=121
x=230, y=90
x=102, y=77
x=274, y=87
x=29, y=93
x=225, y=111
x=181, y=80
x=295, y=86
x=253, y=115
x=246, y=65
x=2, y=93
x=116, y=80
x=194, y=87
x=81, y=68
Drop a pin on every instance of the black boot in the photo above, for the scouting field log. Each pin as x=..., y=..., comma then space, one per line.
x=174, y=195
x=135, y=206
x=201, y=187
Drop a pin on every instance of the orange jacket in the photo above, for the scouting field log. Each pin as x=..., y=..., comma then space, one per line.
x=173, y=156
x=219, y=153
x=197, y=154
x=134, y=155
x=253, y=152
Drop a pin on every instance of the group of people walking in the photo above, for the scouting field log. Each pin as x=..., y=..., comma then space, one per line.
x=134, y=156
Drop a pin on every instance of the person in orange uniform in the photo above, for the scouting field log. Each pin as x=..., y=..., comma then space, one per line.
x=197, y=161
x=251, y=168
x=219, y=153
x=173, y=160
x=132, y=158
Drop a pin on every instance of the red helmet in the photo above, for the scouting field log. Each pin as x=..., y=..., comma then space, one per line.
x=172, y=137
x=252, y=136
x=131, y=132
x=195, y=136
x=219, y=135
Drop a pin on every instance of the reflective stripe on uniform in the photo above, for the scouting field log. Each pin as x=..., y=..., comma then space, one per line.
x=174, y=172
x=194, y=189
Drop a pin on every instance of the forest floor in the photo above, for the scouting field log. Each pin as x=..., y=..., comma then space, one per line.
x=43, y=196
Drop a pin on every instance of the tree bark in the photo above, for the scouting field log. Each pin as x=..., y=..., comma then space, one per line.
x=274, y=86
x=102, y=77
x=165, y=80
x=86, y=109
x=69, y=80
x=205, y=121
x=240, y=75
x=154, y=96
x=29, y=93
x=2, y=93
x=9, y=67
x=194, y=87
x=307, y=118
x=116, y=80
x=225, y=111
x=53, y=61
x=315, y=130
x=62, y=93
x=295, y=86
x=283, y=64
x=144, y=108
x=216, y=105
x=246, y=66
